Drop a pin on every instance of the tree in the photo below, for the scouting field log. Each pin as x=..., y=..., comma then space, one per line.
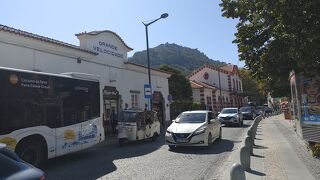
x=179, y=85
x=275, y=37
x=255, y=89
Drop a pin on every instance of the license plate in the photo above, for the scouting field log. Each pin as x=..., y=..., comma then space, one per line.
x=182, y=140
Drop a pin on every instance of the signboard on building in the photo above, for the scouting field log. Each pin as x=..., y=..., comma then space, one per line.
x=107, y=48
x=110, y=92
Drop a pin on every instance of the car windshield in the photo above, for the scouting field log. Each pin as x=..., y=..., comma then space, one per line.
x=127, y=116
x=229, y=111
x=191, y=118
x=245, y=109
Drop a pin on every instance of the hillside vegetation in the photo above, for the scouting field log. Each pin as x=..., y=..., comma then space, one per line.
x=179, y=57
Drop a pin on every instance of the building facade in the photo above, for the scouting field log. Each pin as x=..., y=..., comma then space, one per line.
x=217, y=88
x=101, y=53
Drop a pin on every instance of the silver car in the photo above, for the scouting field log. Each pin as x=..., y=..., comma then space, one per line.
x=231, y=116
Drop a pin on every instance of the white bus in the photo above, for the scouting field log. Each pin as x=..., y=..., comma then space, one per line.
x=46, y=115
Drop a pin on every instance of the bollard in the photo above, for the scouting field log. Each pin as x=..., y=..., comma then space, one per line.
x=237, y=172
x=252, y=134
x=245, y=158
x=248, y=142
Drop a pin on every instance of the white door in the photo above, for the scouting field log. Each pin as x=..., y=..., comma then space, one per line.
x=212, y=125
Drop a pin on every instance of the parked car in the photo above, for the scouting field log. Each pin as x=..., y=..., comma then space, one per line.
x=193, y=128
x=231, y=116
x=260, y=111
x=12, y=167
x=248, y=112
x=268, y=111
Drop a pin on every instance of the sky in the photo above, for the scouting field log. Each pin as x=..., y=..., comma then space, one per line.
x=197, y=24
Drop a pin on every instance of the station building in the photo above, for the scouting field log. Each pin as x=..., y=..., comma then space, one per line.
x=101, y=53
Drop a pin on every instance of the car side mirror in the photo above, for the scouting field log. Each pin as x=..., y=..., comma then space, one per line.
x=173, y=121
x=218, y=112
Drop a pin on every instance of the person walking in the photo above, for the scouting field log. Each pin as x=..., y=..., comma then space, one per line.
x=114, y=121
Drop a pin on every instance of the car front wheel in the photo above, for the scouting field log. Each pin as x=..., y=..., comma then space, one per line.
x=172, y=147
x=220, y=134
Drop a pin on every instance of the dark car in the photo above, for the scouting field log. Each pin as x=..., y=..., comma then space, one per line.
x=248, y=112
x=268, y=111
x=12, y=167
x=260, y=111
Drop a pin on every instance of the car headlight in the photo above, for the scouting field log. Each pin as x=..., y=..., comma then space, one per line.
x=200, y=130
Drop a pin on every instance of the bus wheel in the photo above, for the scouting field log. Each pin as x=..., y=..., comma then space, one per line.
x=154, y=137
x=31, y=152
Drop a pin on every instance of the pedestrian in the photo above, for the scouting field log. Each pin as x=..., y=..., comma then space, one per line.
x=114, y=121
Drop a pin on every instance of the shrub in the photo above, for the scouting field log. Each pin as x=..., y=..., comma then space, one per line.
x=315, y=149
x=179, y=106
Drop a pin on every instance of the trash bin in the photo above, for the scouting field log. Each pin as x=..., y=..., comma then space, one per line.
x=287, y=114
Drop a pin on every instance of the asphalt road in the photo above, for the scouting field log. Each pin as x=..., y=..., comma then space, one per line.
x=148, y=160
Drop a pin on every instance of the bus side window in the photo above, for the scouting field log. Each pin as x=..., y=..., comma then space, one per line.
x=53, y=116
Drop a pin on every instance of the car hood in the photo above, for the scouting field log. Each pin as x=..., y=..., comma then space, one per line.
x=185, y=127
x=246, y=112
x=227, y=115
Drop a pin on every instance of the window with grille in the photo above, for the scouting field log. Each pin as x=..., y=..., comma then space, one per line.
x=134, y=100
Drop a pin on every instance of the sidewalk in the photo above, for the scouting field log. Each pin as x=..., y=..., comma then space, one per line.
x=277, y=154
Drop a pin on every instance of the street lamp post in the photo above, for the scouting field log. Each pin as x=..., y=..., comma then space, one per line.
x=164, y=15
x=220, y=99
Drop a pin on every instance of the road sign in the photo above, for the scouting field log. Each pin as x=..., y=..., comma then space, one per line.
x=147, y=91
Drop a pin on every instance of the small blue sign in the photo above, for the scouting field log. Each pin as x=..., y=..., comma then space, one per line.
x=147, y=91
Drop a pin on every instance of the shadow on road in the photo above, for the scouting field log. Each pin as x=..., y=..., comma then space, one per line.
x=236, y=126
x=96, y=161
x=217, y=147
x=259, y=147
x=256, y=172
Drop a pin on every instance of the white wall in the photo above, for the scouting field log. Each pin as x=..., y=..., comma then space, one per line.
x=213, y=78
x=196, y=95
x=30, y=58
x=236, y=78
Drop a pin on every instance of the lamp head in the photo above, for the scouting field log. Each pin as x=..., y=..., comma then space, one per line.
x=164, y=15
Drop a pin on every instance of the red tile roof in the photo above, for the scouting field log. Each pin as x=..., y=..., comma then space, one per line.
x=230, y=68
x=92, y=33
x=202, y=84
x=206, y=66
x=42, y=38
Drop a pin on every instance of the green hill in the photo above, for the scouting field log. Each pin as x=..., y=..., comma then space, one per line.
x=182, y=58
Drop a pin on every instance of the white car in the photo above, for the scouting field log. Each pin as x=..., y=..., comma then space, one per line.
x=193, y=128
x=231, y=116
